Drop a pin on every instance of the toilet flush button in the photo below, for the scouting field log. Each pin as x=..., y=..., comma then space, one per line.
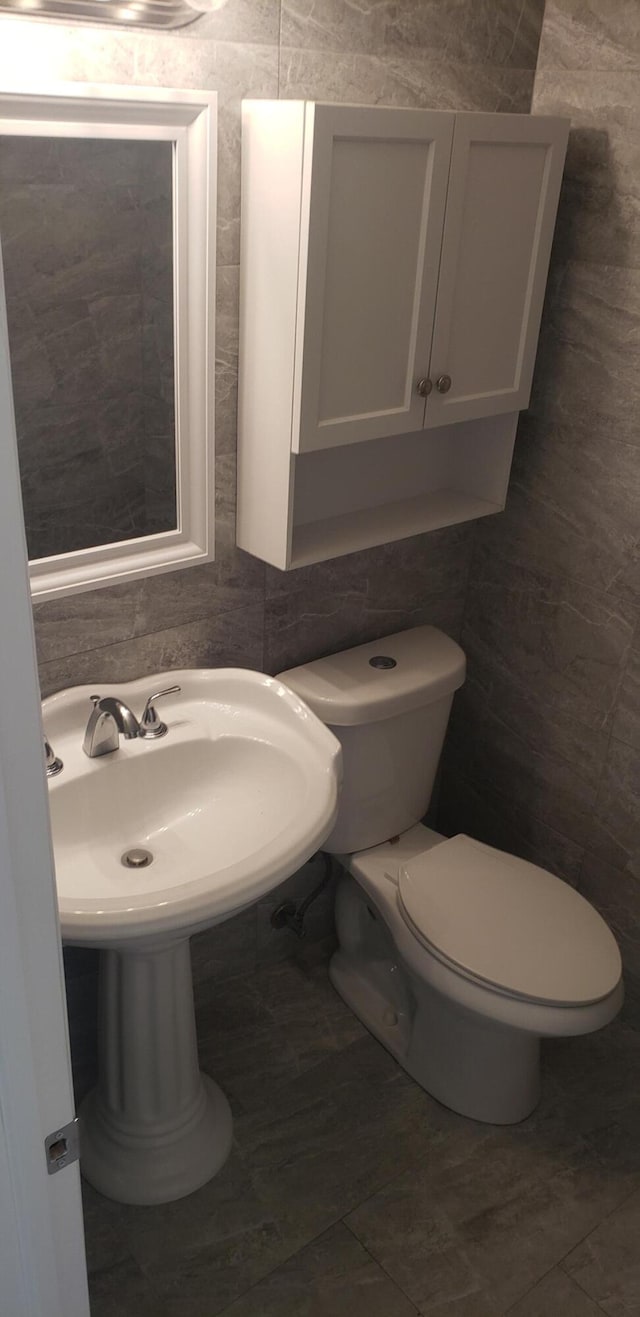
x=382, y=661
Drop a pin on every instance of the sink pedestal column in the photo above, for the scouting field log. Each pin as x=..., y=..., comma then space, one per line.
x=155, y=1128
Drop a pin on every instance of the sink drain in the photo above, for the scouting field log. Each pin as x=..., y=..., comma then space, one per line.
x=136, y=858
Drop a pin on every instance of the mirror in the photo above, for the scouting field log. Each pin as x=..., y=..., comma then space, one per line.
x=107, y=231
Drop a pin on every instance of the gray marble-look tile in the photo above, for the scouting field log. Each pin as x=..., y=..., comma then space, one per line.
x=438, y=562
x=599, y=213
x=615, y=892
x=82, y=996
x=492, y=33
x=69, y=246
x=239, y=576
x=107, y=432
x=111, y=162
x=82, y=504
x=86, y=621
x=347, y=601
x=559, y=645
x=556, y=1293
x=470, y=1238
x=206, y=592
x=393, y=80
x=339, y=25
x=299, y=996
x=237, y=1042
x=231, y=640
x=227, y=313
x=332, y=1277
x=226, y=950
x=240, y=71
x=626, y=723
x=95, y=618
x=617, y=1146
x=202, y=1252
x=590, y=35
x=571, y=507
x=93, y=350
x=546, y=763
x=343, y=1127
x=235, y=70
x=107, y=1287
x=105, y=1243
x=278, y=1024
x=474, y=32
x=257, y=21
x=476, y=809
x=595, y=1078
x=615, y=835
x=607, y=1264
x=591, y=332
x=299, y=629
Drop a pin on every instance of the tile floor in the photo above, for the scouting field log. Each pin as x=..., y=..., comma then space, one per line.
x=349, y=1191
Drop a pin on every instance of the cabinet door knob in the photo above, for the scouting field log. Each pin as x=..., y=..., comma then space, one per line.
x=424, y=387
x=443, y=383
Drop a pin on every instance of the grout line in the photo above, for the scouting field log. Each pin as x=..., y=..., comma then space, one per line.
x=279, y=49
x=537, y=1282
x=378, y=1263
x=583, y=1291
x=154, y=631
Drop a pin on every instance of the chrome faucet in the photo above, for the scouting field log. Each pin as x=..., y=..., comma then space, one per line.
x=111, y=718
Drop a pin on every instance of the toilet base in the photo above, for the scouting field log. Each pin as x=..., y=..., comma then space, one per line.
x=471, y=1065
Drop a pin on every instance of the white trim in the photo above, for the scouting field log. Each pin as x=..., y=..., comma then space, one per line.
x=45, y=1276
x=188, y=120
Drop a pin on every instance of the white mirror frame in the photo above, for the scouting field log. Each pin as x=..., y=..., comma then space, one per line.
x=188, y=120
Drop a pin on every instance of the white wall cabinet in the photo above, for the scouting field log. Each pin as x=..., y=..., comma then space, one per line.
x=393, y=271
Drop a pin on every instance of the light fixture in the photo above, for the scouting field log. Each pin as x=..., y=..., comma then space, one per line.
x=207, y=6
x=136, y=13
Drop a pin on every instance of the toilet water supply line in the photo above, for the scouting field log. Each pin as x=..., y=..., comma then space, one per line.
x=290, y=915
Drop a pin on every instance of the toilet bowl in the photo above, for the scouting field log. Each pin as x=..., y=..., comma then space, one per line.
x=457, y=956
x=473, y=1044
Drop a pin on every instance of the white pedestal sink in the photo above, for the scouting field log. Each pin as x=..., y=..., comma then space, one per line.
x=237, y=795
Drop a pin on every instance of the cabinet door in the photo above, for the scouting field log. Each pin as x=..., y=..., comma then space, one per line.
x=506, y=171
x=373, y=201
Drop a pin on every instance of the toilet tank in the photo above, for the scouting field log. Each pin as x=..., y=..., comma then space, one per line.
x=388, y=703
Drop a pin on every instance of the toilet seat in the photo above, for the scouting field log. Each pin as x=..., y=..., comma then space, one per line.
x=504, y=922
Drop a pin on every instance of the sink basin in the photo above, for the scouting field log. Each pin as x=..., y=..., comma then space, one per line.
x=241, y=790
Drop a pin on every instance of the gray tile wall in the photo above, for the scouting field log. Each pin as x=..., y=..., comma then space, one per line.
x=470, y=54
x=544, y=752
x=91, y=335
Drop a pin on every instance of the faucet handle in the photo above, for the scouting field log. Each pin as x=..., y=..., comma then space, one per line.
x=53, y=764
x=150, y=723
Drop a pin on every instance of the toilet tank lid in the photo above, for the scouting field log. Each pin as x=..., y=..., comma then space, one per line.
x=380, y=679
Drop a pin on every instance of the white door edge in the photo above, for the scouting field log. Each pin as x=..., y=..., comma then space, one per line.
x=42, y=1260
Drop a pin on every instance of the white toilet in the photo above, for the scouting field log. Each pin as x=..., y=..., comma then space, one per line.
x=457, y=956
